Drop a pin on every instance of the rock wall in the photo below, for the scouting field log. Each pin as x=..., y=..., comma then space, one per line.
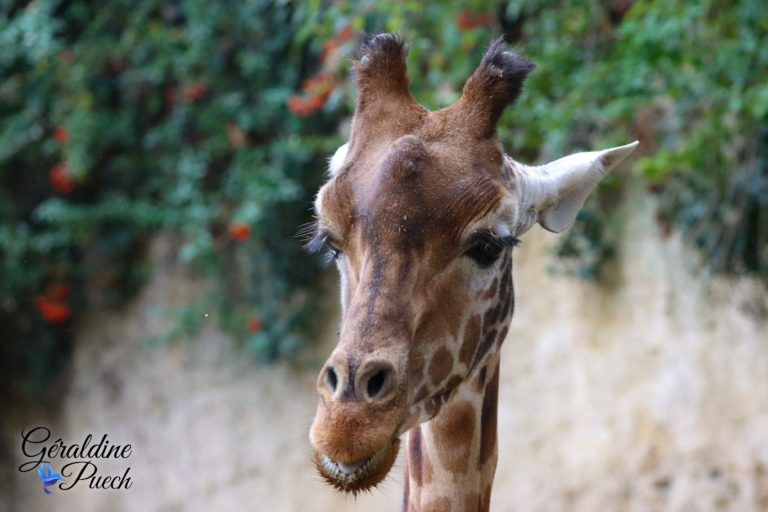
x=650, y=394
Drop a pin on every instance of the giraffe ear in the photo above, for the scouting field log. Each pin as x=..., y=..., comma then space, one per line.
x=553, y=194
x=336, y=162
x=494, y=85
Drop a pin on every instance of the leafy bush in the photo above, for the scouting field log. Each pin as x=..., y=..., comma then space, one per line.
x=151, y=116
x=212, y=120
x=690, y=80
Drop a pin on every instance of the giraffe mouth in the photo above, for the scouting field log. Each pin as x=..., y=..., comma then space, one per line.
x=361, y=475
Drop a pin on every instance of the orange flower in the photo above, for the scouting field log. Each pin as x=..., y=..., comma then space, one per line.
x=195, y=91
x=53, y=311
x=61, y=135
x=316, y=101
x=254, y=323
x=318, y=88
x=320, y=83
x=60, y=179
x=239, y=231
x=299, y=106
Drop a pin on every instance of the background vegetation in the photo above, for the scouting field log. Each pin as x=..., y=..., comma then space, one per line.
x=211, y=121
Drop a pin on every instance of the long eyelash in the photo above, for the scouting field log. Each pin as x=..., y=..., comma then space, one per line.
x=317, y=243
x=308, y=232
x=504, y=241
x=509, y=241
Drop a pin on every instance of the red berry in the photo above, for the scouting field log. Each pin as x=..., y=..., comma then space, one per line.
x=239, y=231
x=52, y=311
x=60, y=179
x=61, y=135
x=195, y=91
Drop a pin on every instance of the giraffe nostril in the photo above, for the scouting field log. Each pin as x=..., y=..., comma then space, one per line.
x=331, y=379
x=377, y=382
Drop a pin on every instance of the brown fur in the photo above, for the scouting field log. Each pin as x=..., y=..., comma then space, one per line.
x=485, y=499
x=471, y=340
x=455, y=429
x=495, y=84
x=440, y=366
x=437, y=505
x=428, y=471
x=422, y=393
x=472, y=501
x=357, y=431
x=407, y=487
x=490, y=293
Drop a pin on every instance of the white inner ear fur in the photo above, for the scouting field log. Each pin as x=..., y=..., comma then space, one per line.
x=337, y=160
x=552, y=194
x=498, y=221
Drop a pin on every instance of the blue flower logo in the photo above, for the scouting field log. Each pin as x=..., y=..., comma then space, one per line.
x=49, y=478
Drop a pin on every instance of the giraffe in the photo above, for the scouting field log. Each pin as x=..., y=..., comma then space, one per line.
x=421, y=213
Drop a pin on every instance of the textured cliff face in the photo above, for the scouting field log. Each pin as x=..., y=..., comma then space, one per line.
x=649, y=395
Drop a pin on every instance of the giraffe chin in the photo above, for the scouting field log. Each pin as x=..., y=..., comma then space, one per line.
x=359, y=476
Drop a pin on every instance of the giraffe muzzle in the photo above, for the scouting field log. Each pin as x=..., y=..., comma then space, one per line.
x=355, y=434
x=361, y=475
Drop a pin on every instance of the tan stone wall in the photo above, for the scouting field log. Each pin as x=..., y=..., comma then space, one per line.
x=648, y=395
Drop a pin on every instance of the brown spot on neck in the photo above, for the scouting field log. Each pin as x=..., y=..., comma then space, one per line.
x=471, y=340
x=415, y=455
x=440, y=366
x=488, y=421
x=490, y=293
x=481, y=376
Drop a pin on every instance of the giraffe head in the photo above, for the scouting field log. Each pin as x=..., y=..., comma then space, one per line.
x=421, y=213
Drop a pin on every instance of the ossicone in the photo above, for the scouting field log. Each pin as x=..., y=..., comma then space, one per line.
x=495, y=84
x=380, y=69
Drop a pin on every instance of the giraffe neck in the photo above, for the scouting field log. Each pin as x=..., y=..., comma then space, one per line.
x=451, y=459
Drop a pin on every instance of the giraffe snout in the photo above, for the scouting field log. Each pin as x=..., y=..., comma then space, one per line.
x=355, y=433
x=373, y=380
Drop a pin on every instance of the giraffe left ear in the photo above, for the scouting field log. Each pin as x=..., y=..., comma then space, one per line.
x=553, y=194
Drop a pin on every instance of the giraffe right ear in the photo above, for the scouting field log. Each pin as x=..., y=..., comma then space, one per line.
x=553, y=194
x=336, y=162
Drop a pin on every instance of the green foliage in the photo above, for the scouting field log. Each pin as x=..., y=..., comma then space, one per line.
x=212, y=120
x=126, y=119
x=686, y=78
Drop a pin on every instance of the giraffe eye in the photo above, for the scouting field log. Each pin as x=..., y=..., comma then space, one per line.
x=322, y=243
x=486, y=250
x=487, y=247
x=332, y=252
